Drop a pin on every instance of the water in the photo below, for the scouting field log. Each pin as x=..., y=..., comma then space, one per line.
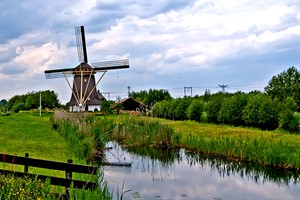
x=180, y=175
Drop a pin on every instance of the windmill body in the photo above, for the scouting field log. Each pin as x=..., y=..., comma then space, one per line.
x=85, y=96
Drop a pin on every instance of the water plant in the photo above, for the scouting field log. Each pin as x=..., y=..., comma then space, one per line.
x=134, y=131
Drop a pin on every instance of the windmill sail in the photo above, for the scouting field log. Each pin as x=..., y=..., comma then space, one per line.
x=84, y=93
x=81, y=45
x=109, y=65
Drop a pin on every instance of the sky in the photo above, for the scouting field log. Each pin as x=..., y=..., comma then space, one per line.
x=170, y=44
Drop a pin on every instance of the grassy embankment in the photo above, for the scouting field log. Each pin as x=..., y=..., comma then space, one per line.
x=25, y=132
x=270, y=148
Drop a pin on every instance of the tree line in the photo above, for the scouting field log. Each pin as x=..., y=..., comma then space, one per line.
x=31, y=100
x=277, y=107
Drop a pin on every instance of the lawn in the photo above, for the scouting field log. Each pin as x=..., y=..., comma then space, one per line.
x=29, y=133
x=21, y=133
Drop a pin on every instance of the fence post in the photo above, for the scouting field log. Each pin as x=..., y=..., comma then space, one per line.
x=26, y=166
x=68, y=177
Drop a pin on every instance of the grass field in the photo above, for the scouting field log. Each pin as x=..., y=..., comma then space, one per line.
x=29, y=133
x=21, y=133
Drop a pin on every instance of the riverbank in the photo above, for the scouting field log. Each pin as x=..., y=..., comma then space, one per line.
x=269, y=148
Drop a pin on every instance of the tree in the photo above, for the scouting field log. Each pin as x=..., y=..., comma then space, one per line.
x=29, y=103
x=151, y=97
x=117, y=106
x=251, y=110
x=287, y=114
x=231, y=111
x=181, y=109
x=17, y=107
x=3, y=102
x=195, y=110
x=171, y=111
x=160, y=109
x=213, y=107
x=285, y=84
x=268, y=114
x=106, y=107
x=262, y=112
x=31, y=100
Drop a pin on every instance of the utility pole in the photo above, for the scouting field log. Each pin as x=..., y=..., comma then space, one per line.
x=128, y=90
x=223, y=87
x=108, y=95
x=40, y=103
x=188, y=89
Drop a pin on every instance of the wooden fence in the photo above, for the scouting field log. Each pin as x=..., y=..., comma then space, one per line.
x=68, y=167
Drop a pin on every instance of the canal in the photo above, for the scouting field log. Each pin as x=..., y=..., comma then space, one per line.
x=181, y=175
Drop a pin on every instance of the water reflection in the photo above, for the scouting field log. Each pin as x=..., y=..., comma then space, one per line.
x=176, y=174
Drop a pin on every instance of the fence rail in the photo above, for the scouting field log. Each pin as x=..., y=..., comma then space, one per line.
x=68, y=167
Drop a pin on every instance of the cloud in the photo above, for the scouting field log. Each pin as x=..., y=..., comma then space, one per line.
x=32, y=60
x=171, y=39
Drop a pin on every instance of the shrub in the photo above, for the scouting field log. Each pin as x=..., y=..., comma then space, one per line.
x=287, y=114
x=181, y=109
x=213, y=108
x=261, y=111
x=231, y=111
x=17, y=107
x=195, y=110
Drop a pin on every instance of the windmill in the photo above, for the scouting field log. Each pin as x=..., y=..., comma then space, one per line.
x=84, y=96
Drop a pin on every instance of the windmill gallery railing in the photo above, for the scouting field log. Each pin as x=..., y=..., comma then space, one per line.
x=68, y=167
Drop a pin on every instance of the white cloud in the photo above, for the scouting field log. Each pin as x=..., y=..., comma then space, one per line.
x=33, y=60
x=202, y=33
x=159, y=37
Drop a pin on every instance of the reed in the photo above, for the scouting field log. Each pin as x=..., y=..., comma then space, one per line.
x=278, y=149
x=271, y=148
x=134, y=131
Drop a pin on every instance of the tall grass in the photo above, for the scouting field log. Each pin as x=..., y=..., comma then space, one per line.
x=84, y=134
x=269, y=148
x=133, y=131
x=277, y=149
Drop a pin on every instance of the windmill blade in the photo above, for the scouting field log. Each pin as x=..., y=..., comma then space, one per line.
x=81, y=45
x=109, y=65
x=58, y=73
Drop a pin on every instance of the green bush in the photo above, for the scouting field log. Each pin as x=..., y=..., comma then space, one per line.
x=17, y=107
x=195, y=110
x=213, y=108
x=287, y=114
x=294, y=124
x=181, y=109
x=231, y=111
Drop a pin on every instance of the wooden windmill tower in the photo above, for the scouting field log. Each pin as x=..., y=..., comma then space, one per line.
x=85, y=96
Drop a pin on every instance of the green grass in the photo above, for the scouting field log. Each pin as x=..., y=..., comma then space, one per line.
x=274, y=148
x=28, y=133
x=21, y=133
x=278, y=149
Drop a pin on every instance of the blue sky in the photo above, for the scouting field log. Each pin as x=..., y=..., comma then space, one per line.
x=170, y=44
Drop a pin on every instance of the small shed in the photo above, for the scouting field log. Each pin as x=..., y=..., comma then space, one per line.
x=130, y=104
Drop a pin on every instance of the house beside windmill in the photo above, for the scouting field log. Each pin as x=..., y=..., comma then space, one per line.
x=130, y=104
